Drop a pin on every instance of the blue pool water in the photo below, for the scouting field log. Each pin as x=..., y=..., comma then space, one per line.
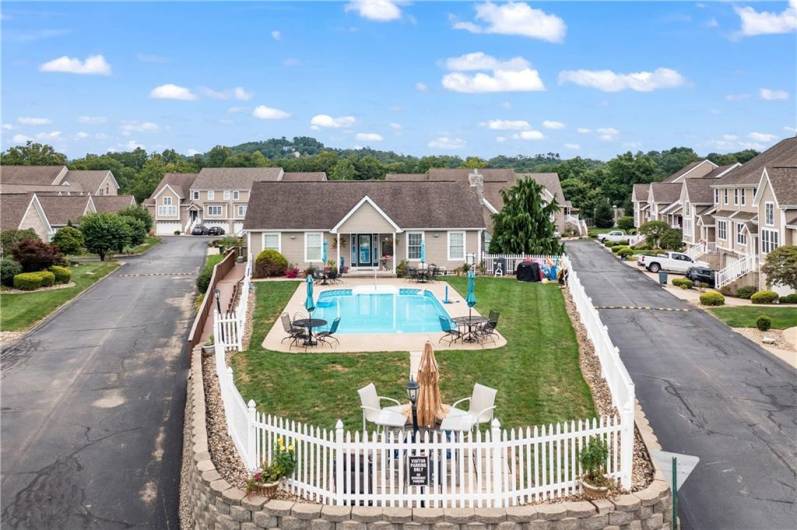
x=385, y=311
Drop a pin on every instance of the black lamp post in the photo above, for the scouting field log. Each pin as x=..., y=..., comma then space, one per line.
x=412, y=394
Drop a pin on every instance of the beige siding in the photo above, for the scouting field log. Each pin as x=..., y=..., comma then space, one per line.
x=108, y=187
x=167, y=192
x=366, y=220
x=33, y=219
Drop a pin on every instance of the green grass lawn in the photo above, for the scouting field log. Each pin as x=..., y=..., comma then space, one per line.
x=148, y=243
x=537, y=373
x=745, y=317
x=19, y=311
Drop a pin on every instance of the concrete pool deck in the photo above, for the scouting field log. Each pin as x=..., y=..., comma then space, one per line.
x=368, y=342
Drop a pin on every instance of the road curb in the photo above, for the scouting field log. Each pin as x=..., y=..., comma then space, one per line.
x=61, y=308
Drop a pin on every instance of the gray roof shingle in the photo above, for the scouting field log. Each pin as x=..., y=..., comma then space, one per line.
x=60, y=209
x=112, y=203
x=179, y=182
x=89, y=180
x=700, y=191
x=304, y=176
x=686, y=169
x=321, y=205
x=234, y=178
x=784, y=183
x=665, y=192
x=782, y=154
x=41, y=175
x=12, y=209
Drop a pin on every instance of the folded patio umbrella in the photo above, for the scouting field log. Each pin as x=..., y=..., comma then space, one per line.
x=422, y=252
x=324, y=254
x=430, y=405
x=470, y=298
x=308, y=301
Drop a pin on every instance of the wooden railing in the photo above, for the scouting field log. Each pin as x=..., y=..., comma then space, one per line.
x=220, y=270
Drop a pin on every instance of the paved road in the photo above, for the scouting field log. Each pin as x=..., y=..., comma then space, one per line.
x=707, y=391
x=92, y=402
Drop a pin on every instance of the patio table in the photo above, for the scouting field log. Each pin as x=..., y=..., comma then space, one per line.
x=470, y=321
x=310, y=323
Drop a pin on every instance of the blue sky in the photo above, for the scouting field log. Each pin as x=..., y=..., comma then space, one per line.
x=591, y=79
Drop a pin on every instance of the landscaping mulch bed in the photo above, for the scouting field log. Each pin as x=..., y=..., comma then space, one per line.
x=601, y=395
x=11, y=290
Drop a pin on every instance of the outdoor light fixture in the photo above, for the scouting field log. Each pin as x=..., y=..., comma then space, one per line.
x=412, y=394
x=217, y=293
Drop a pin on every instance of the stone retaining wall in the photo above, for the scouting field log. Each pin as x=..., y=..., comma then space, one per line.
x=208, y=501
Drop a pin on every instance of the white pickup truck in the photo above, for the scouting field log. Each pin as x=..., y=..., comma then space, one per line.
x=670, y=262
x=614, y=236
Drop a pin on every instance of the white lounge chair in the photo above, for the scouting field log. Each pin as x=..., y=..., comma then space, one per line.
x=371, y=403
x=480, y=410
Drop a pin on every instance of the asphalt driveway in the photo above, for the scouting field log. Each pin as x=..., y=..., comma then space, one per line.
x=92, y=402
x=707, y=391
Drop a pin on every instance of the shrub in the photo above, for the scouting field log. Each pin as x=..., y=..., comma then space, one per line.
x=10, y=238
x=136, y=229
x=672, y=239
x=712, y=298
x=781, y=266
x=593, y=459
x=764, y=297
x=622, y=242
x=401, y=269
x=203, y=280
x=617, y=248
x=104, y=232
x=69, y=240
x=763, y=323
x=137, y=212
x=625, y=252
x=745, y=292
x=30, y=281
x=292, y=272
x=36, y=255
x=177, y=232
x=270, y=263
x=625, y=223
x=683, y=283
x=8, y=269
x=789, y=299
x=62, y=274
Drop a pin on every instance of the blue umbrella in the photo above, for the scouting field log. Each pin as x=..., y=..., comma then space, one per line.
x=324, y=253
x=308, y=301
x=470, y=298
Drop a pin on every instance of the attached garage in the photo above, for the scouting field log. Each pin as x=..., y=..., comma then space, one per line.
x=167, y=228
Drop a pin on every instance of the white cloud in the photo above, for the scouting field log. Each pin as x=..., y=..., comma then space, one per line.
x=8, y=127
x=513, y=75
x=131, y=145
x=609, y=81
x=395, y=126
x=769, y=94
x=327, y=121
x=368, y=137
x=130, y=127
x=49, y=136
x=572, y=147
x=737, y=97
x=551, y=124
x=21, y=139
x=213, y=94
x=767, y=23
x=263, y=112
x=583, y=130
x=92, y=65
x=761, y=137
x=92, y=120
x=516, y=18
x=276, y=35
x=529, y=135
x=607, y=133
x=500, y=139
x=82, y=135
x=376, y=10
x=447, y=142
x=421, y=87
x=506, y=125
x=790, y=129
x=191, y=151
x=28, y=120
x=172, y=91
x=241, y=94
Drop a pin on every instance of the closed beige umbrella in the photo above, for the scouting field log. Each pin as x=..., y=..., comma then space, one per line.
x=430, y=406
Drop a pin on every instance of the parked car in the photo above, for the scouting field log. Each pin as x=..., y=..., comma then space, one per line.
x=703, y=275
x=199, y=230
x=614, y=236
x=215, y=231
x=670, y=262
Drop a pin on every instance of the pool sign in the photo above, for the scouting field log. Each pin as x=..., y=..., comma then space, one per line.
x=418, y=472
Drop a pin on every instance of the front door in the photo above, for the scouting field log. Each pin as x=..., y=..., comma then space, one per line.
x=364, y=250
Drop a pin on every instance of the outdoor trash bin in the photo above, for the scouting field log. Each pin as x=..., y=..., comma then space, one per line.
x=663, y=277
x=528, y=272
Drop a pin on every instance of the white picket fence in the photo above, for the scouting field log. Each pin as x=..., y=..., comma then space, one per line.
x=495, y=468
x=509, y=262
x=229, y=325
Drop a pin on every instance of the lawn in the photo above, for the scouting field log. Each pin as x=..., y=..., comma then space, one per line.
x=19, y=311
x=148, y=243
x=537, y=373
x=745, y=317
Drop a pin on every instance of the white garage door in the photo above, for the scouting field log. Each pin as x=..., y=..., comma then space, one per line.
x=165, y=228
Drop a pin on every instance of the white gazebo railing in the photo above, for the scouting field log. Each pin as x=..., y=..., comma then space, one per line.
x=496, y=468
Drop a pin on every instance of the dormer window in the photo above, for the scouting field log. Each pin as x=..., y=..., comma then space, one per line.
x=195, y=195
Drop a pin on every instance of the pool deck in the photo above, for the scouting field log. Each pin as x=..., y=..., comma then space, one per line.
x=366, y=342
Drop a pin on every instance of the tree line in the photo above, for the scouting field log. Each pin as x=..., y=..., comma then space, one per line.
x=587, y=183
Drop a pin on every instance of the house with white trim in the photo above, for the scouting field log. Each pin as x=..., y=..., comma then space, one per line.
x=22, y=211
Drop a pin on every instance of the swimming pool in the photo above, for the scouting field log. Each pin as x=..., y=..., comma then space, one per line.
x=380, y=309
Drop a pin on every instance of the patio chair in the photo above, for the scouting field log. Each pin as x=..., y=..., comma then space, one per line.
x=370, y=402
x=325, y=336
x=480, y=410
x=450, y=330
x=487, y=330
x=295, y=334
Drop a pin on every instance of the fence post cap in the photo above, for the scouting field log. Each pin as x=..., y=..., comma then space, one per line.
x=251, y=404
x=495, y=424
x=339, y=425
x=229, y=370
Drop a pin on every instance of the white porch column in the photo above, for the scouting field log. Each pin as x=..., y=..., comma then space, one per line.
x=337, y=247
x=394, y=252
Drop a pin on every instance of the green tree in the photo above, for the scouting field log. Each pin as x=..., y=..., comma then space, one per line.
x=368, y=168
x=32, y=154
x=524, y=224
x=672, y=239
x=604, y=216
x=474, y=162
x=781, y=266
x=625, y=223
x=137, y=212
x=10, y=238
x=69, y=240
x=654, y=231
x=343, y=170
x=103, y=233
x=136, y=231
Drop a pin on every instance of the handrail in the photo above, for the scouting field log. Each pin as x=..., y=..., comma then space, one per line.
x=219, y=271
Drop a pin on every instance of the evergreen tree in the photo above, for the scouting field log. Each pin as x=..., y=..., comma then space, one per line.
x=524, y=225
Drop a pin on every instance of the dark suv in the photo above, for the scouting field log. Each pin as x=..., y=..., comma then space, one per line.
x=199, y=230
x=215, y=231
x=701, y=274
